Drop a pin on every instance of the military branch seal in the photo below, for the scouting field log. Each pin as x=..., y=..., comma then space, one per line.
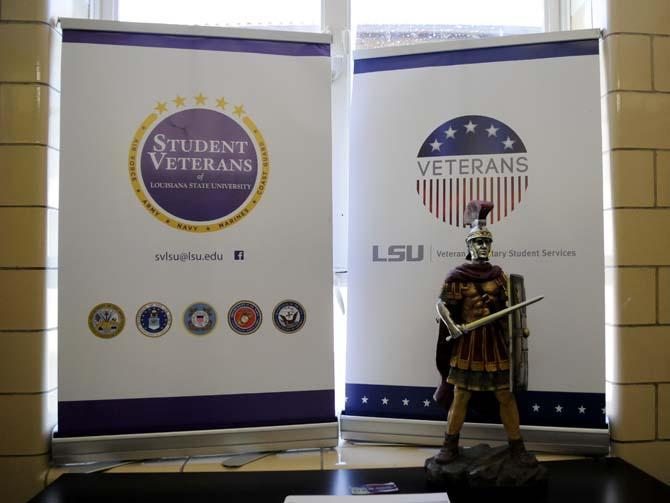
x=106, y=320
x=289, y=316
x=199, y=318
x=245, y=317
x=153, y=319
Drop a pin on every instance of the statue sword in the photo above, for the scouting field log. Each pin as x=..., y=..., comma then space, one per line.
x=468, y=327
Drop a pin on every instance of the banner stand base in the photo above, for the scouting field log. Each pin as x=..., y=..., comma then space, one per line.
x=577, y=441
x=192, y=443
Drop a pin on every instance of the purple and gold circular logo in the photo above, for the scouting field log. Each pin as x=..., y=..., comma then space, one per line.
x=198, y=168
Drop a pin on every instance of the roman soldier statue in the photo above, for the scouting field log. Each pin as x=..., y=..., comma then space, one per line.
x=473, y=354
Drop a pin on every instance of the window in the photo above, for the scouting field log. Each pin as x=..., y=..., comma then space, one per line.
x=379, y=23
x=296, y=15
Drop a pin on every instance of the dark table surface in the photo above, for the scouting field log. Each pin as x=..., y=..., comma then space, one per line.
x=606, y=480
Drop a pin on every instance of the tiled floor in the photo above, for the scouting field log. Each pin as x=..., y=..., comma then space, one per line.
x=345, y=456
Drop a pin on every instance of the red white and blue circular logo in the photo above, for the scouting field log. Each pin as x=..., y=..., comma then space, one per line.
x=467, y=158
x=198, y=168
x=153, y=319
x=200, y=318
x=245, y=317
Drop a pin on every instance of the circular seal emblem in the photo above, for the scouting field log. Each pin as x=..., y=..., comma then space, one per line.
x=200, y=318
x=106, y=320
x=472, y=157
x=244, y=317
x=197, y=167
x=289, y=316
x=153, y=319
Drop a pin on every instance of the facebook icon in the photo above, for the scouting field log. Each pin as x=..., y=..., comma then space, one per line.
x=239, y=255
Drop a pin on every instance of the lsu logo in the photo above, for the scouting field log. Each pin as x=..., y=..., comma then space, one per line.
x=471, y=157
x=397, y=253
x=199, y=163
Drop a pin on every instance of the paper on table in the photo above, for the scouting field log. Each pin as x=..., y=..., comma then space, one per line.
x=378, y=498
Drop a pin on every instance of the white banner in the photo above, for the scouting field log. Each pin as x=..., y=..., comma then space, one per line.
x=515, y=122
x=195, y=239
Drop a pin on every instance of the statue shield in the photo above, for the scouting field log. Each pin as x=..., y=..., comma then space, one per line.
x=518, y=333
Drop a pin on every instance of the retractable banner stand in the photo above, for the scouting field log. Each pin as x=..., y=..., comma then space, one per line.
x=512, y=120
x=195, y=285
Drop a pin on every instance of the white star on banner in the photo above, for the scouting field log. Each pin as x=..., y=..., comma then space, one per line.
x=346, y=398
x=582, y=409
x=364, y=399
x=603, y=409
x=508, y=143
x=536, y=408
x=405, y=401
x=558, y=408
x=385, y=401
x=436, y=145
x=451, y=133
x=426, y=403
x=470, y=127
x=492, y=130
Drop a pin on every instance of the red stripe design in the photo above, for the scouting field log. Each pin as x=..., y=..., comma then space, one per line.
x=430, y=202
x=458, y=200
x=491, y=198
x=451, y=201
x=464, y=200
x=498, y=194
x=444, y=199
x=506, y=194
x=505, y=182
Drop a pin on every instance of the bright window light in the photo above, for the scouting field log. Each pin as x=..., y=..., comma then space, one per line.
x=296, y=15
x=381, y=23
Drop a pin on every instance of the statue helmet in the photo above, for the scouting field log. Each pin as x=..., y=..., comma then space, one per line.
x=475, y=216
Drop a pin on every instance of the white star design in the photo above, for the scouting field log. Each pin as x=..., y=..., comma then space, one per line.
x=405, y=401
x=436, y=145
x=508, y=143
x=364, y=399
x=451, y=133
x=385, y=401
x=426, y=403
x=492, y=130
x=536, y=408
x=470, y=127
x=603, y=409
x=558, y=408
x=346, y=398
x=582, y=409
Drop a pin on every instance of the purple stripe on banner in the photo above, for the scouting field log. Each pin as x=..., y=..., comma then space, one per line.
x=537, y=408
x=184, y=413
x=481, y=55
x=196, y=42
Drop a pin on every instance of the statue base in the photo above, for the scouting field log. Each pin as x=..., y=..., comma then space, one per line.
x=482, y=466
